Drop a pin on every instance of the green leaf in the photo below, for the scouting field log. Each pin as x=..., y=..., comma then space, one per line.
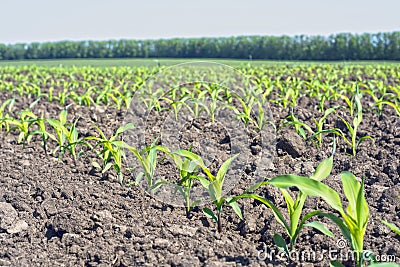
x=357, y=99
x=288, y=199
x=139, y=177
x=348, y=126
x=197, y=159
x=296, y=213
x=336, y=263
x=351, y=188
x=224, y=169
x=362, y=207
x=63, y=116
x=54, y=123
x=128, y=126
x=342, y=226
x=319, y=226
x=96, y=165
x=5, y=103
x=256, y=186
x=219, y=179
x=304, y=219
x=326, y=113
x=98, y=130
x=309, y=187
x=385, y=264
x=235, y=207
x=210, y=214
x=391, y=226
x=21, y=137
x=211, y=192
x=107, y=167
x=278, y=215
x=204, y=182
x=323, y=170
x=362, y=139
x=280, y=243
x=152, y=160
x=157, y=184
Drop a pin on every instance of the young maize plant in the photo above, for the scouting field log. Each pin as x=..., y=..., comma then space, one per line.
x=23, y=125
x=354, y=219
x=214, y=91
x=112, y=150
x=294, y=206
x=176, y=104
x=298, y=125
x=197, y=103
x=248, y=102
x=286, y=95
x=213, y=184
x=188, y=174
x=62, y=96
x=147, y=158
x=82, y=100
x=353, y=142
x=42, y=132
x=66, y=136
x=103, y=97
x=122, y=99
x=302, y=127
x=50, y=94
x=385, y=98
x=5, y=117
x=151, y=100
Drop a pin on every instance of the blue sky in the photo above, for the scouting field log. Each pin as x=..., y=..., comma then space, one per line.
x=53, y=20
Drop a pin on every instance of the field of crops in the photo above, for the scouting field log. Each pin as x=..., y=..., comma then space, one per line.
x=200, y=165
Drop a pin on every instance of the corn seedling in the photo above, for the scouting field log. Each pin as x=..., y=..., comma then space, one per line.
x=320, y=126
x=176, y=104
x=111, y=153
x=66, y=136
x=388, y=99
x=147, y=158
x=42, y=132
x=298, y=125
x=249, y=102
x=214, y=91
x=316, y=133
x=294, y=206
x=62, y=96
x=82, y=100
x=50, y=94
x=354, y=219
x=197, y=103
x=122, y=100
x=23, y=125
x=188, y=173
x=353, y=141
x=5, y=117
x=213, y=185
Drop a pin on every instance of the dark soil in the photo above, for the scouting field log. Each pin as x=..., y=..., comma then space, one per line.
x=61, y=214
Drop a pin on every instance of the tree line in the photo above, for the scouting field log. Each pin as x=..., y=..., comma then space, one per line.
x=343, y=46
